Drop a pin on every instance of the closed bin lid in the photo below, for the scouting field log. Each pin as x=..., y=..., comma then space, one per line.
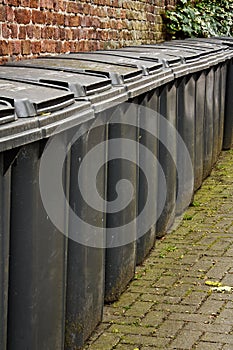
x=94, y=88
x=215, y=52
x=127, y=76
x=227, y=39
x=80, y=84
x=205, y=55
x=118, y=74
x=204, y=48
x=147, y=67
x=7, y=112
x=214, y=40
x=32, y=99
x=181, y=62
x=173, y=57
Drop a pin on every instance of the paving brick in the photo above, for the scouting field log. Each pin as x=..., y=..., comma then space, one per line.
x=154, y=318
x=189, y=317
x=208, y=346
x=169, y=328
x=105, y=342
x=227, y=347
x=207, y=327
x=211, y=307
x=143, y=340
x=218, y=338
x=139, y=308
x=194, y=298
x=131, y=329
x=186, y=339
x=226, y=317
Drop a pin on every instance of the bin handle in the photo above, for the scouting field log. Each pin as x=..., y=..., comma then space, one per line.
x=6, y=103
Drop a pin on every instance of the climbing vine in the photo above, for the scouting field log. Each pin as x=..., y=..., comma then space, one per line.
x=200, y=19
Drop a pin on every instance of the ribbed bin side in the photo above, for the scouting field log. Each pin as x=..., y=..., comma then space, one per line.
x=208, y=124
x=217, y=111
x=168, y=109
x=200, y=79
x=186, y=128
x=86, y=264
x=228, y=124
x=5, y=177
x=223, y=89
x=121, y=257
x=37, y=262
x=148, y=109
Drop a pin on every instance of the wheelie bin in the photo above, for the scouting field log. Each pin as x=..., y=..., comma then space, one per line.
x=37, y=267
x=7, y=115
x=225, y=141
x=136, y=81
x=217, y=56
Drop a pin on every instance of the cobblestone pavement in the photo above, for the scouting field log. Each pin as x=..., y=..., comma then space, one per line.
x=172, y=303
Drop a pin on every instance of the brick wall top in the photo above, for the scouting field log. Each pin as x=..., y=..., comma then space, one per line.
x=36, y=27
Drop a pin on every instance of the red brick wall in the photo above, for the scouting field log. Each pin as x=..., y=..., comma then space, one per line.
x=32, y=27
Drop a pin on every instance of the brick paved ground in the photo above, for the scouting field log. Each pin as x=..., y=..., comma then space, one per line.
x=169, y=305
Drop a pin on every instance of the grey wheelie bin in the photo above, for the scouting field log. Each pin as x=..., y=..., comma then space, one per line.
x=184, y=89
x=7, y=115
x=217, y=56
x=150, y=99
x=220, y=89
x=227, y=138
x=86, y=268
x=116, y=257
x=136, y=82
x=161, y=99
x=37, y=268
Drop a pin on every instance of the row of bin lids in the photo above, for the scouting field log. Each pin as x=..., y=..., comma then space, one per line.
x=44, y=85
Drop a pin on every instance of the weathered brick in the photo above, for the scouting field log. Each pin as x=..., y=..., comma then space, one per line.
x=36, y=47
x=22, y=32
x=38, y=17
x=22, y=16
x=75, y=21
x=26, y=47
x=4, y=47
x=3, y=13
x=16, y=47
x=25, y=3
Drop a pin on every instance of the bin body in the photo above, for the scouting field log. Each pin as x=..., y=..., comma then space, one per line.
x=5, y=177
x=168, y=109
x=120, y=257
x=38, y=262
x=228, y=124
x=186, y=128
x=199, y=128
x=86, y=264
x=148, y=106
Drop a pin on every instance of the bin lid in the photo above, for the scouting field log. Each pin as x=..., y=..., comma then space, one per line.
x=201, y=47
x=181, y=62
x=7, y=112
x=152, y=53
x=227, y=39
x=78, y=83
x=212, y=51
x=148, y=67
x=213, y=40
x=118, y=73
x=33, y=99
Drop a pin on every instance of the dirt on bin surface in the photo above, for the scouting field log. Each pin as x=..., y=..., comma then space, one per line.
x=182, y=295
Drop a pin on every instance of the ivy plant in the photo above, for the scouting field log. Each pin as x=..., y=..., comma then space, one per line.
x=200, y=19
